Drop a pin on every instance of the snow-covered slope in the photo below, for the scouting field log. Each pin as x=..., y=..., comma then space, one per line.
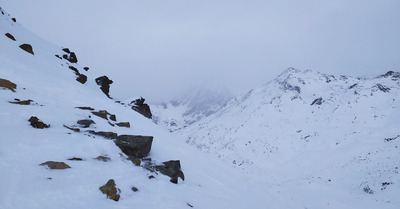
x=192, y=106
x=306, y=128
x=52, y=85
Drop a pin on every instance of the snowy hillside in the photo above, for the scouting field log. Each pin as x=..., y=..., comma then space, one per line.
x=194, y=105
x=36, y=83
x=307, y=128
x=62, y=141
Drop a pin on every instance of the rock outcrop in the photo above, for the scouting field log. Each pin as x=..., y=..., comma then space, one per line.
x=28, y=48
x=139, y=106
x=110, y=190
x=104, y=83
x=55, y=165
x=172, y=169
x=8, y=84
x=134, y=146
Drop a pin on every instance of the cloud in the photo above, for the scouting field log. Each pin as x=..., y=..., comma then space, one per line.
x=157, y=48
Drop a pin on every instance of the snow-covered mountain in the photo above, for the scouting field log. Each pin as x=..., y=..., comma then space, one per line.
x=193, y=105
x=308, y=128
x=304, y=140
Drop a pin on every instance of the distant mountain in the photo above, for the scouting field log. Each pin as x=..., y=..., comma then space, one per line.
x=192, y=106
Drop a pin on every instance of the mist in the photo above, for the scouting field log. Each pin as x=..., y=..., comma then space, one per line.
x=158, y=48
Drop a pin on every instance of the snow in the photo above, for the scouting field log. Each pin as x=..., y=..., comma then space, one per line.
x=287, y=153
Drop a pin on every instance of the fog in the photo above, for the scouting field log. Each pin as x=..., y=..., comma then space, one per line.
x=159, y=48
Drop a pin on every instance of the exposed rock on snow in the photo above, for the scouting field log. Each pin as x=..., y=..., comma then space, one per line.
x=139, y=106
x=124, y=124
x=8, y=84
x=103, y=114
x=10, y=36
x=103, y=158
x=72, y=129
x=134, y=146
x=70, y=56
x=85, y=123
x=104, y=82
x=23, y=102
x=110, y=190
x=55, y=165
x=36, y=123
x=106, y=134
x=172, y=169
x=28, y=48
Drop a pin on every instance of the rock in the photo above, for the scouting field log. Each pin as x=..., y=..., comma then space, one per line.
x=103, y=158
x=81, y=78
x=28, y=48
x=172, y=169
x=113, y=117
x=10, y=36
x=66, y=50
x=8, y=84
x=73, y=129
x=13, y=19
x=142, y=108
x=85, y=123
x=36, y=123
x=109, y=135
x=23, y=102
x=85, y=108
x=124, y=124
x=55, y=165
x=151, y=177
x=101, y=114
x=74, y=69
x=86, y=68
x=110, y=190
x=71, y=57
x=104, y=84
x=134, y=146
x=135, y=189
x=75, y=159
x=58, y=56
x=317, y=101
x=189, y=205
x=383, y=88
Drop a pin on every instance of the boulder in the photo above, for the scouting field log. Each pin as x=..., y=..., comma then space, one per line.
x=109, y=135
x=55, y=165
x=139, y=106
x=103, y=158
x=86, y=68
x=134, y=189
x=103, y=114
x=23, y=102
x=124, y=124
x=28, y=48
x=85, y=123
x=10, y=36
x=104, y=83
x=81, y=78
x=74, y=69
x=134, y=146
x=172, y=169
x=66, y=50
x=36, y=123
x=72, y=129
x=13, y=19
x=8, y=84
x=110, y=190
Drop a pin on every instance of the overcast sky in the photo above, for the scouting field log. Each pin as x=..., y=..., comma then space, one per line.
x=158, y=48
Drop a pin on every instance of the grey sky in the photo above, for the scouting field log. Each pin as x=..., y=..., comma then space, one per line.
x=157, y=48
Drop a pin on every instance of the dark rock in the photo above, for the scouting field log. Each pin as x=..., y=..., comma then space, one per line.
x=391, y=139
x=82, y=78
x=113, y=117
x=390, y=74
x=36, y=123
x=13, y=19
x=73, y=129
x=85, y=108
x=27, y=48
x=172, y=169
x=151, y=177
x=24, y=102
x=85, y=123
x=110, y=190
x=135, y=189
x=109, y=135
x=65, y=56
x=104, y=84
x=134, y=146
x=103, y=158
x=352, y=86
x=75, y=159
x=74, y=69
x=8, y=84
x=66, y=50
x=317, y=101
x=139, y=106
x=368, y=190
x=58, y=56
x=383, y=88
x=102, y=114
x=55, y=165
x=124, y=124
x=86, y=68
x=10, y=36
x=189, y=205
